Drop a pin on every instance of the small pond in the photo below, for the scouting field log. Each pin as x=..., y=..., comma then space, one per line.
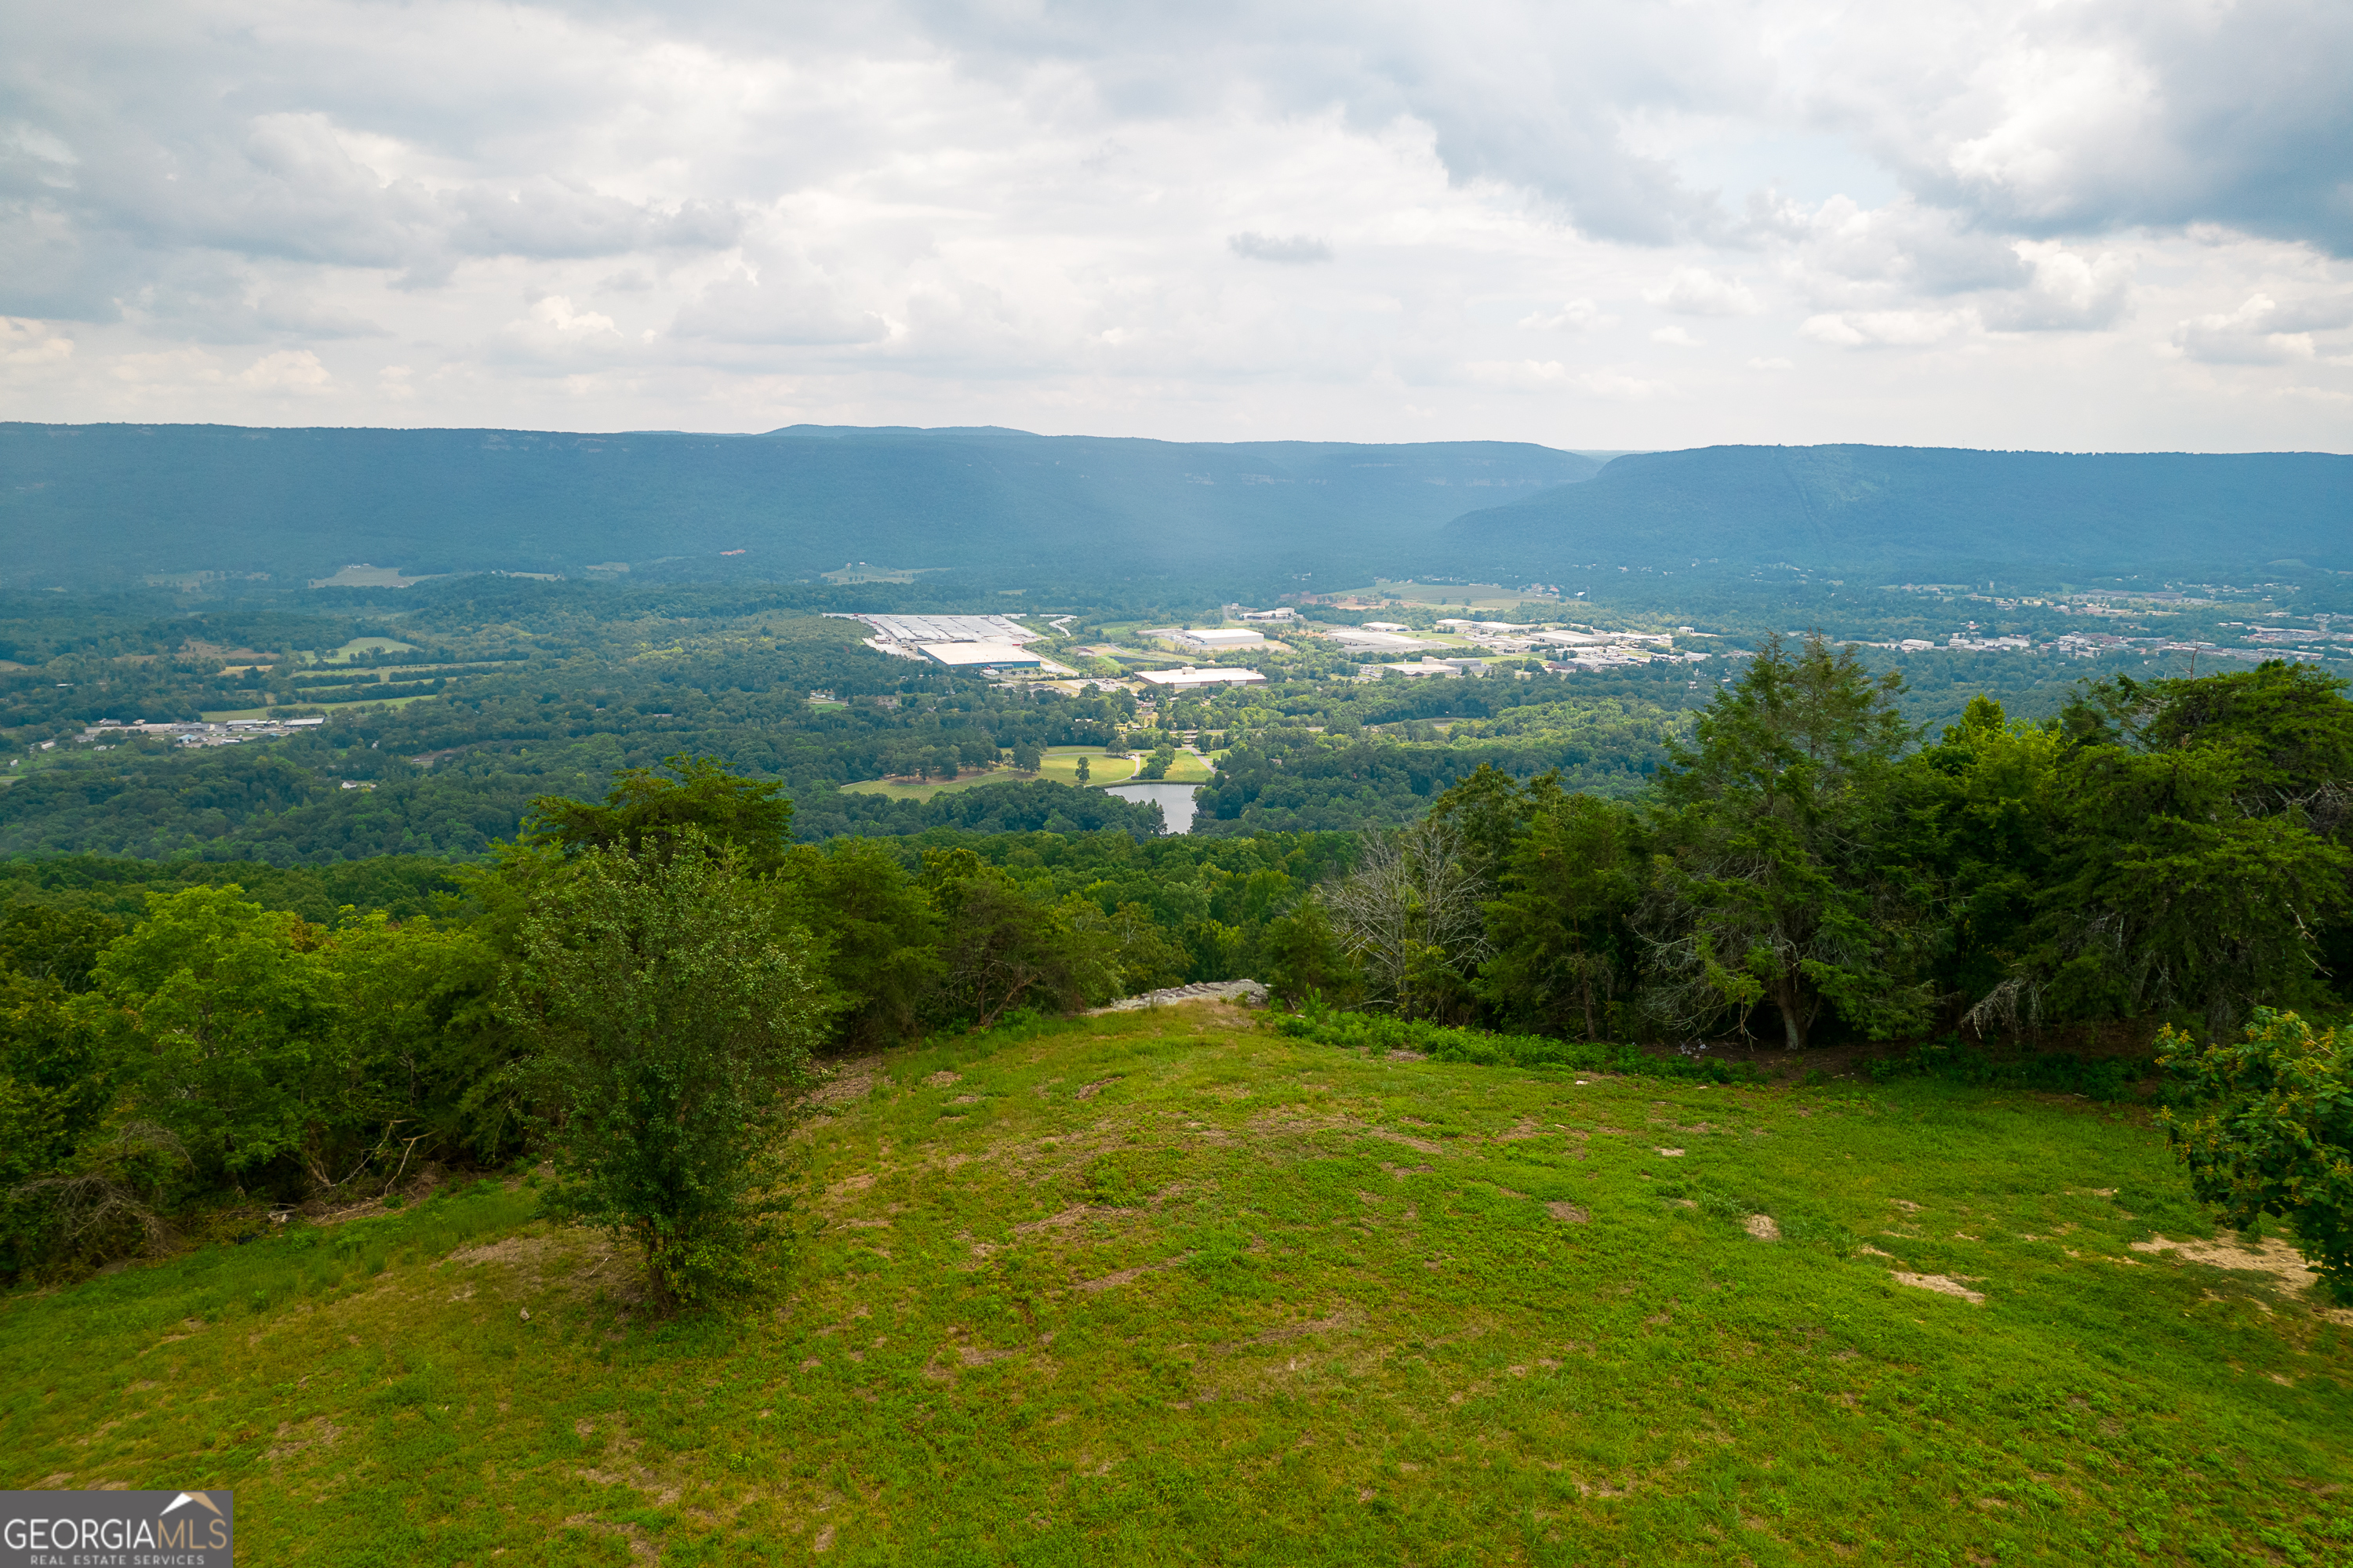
x=1176, y=801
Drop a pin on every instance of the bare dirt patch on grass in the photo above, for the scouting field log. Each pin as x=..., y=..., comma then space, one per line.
x=1943, y=1285
x=2268, y=1255
x=848, y=1083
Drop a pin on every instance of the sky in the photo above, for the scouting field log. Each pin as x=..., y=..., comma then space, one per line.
x=2071, y=225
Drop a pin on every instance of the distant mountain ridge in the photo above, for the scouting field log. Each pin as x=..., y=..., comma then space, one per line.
x=1927, y=510
x=93, y=504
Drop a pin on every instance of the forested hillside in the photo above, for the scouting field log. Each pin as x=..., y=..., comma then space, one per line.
x=1883, y=513
x=88, y=505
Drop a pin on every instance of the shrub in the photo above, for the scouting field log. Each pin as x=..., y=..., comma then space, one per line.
x=1380, y=1032
x=2274, y=1135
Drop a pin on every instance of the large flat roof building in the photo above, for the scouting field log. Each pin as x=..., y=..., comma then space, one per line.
x=1220, y=642
x=1355, y=641
x=943, y=628
x=1189, y=676
x=981, y=656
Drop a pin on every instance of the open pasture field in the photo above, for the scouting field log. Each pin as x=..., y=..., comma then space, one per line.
x=1168, y=1288
x=896, y=790
x=1060, y=764
x=1464, y=597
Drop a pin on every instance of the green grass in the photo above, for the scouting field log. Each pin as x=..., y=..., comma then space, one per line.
x=897, y=792
x=359, y=645
x=1463, y=597
x=1164, y=1287
x=314, y=704
x=1062, y=764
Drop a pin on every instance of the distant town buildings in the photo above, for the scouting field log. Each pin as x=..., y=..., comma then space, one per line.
x=229, y=731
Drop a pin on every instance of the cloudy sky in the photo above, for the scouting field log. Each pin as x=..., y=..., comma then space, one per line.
x=2056, y=224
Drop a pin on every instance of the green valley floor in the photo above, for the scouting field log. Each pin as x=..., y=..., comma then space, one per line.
x=1165, y=1287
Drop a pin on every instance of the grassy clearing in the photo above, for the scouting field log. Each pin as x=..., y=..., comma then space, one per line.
x=1188, y=768
x=1164, y=1286
x=314, y=706
x=360, y=645
x=1461, y=596
x=1062, y=764
x=893, y=789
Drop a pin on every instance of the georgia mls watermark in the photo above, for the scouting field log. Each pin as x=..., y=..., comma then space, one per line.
x=117, y=1530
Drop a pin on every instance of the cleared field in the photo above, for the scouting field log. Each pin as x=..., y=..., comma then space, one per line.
x=1460, y=596
x=897, y=792
x=1062, y=764
x=1189, y=767
x=362, y=645
x=315, y=704
x=1165, y=1287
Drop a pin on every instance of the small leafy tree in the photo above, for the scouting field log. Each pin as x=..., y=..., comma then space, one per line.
x=656, y=806
x=883, y=934
x=2276, y=1134
x=1304, y=958
x=1004, y=949
x=674, y=1023
x=225, y=1016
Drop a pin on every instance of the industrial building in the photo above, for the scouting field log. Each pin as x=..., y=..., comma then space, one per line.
x=1356, y=642
x=923, y=628
x=982, y=655
x=1222, y=641
x=1189, y=676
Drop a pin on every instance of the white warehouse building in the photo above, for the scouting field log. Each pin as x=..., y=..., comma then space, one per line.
x=1189, y=676
x=1223, y=642
x=982, y=655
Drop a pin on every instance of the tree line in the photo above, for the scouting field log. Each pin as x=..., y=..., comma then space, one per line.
x=2170, y=849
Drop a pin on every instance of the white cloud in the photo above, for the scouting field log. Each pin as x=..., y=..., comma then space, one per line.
x=1697, y=292
x=1621, y=387
x=1291, y=250
x=1577, y=315
x=1676, y=337
x=2258, y=333
x=28, y=345
x=787, y=304
x=287, y=370
x=1884, y=329
x=2069, y=291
